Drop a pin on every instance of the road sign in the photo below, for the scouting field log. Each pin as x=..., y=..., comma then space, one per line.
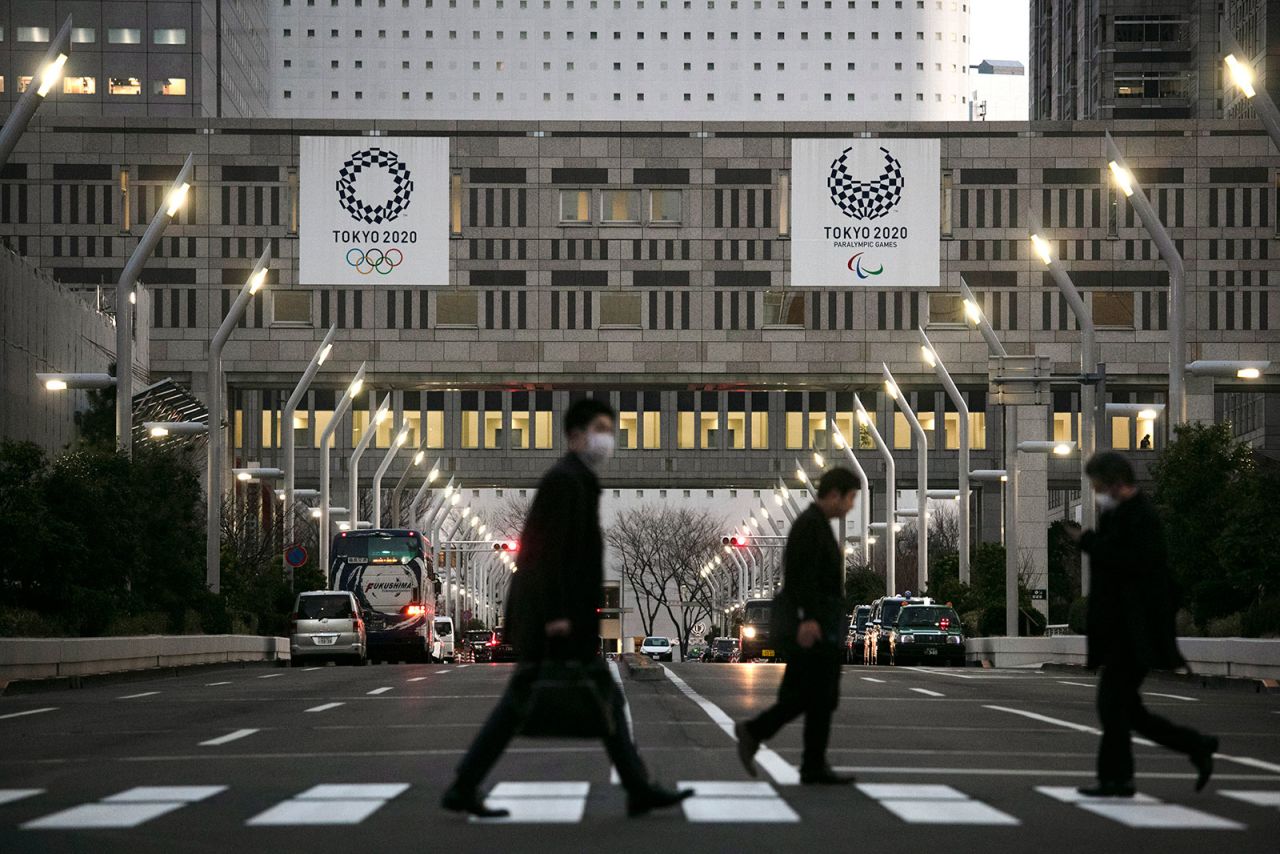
x=295, y=555
x=699, y=630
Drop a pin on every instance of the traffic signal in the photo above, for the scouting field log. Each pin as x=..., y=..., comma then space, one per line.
x=738, y=541
x=506, y=546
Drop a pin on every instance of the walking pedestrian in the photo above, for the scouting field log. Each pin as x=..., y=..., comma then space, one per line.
x=1130, y=626
x=808, y=617
x=553, y=616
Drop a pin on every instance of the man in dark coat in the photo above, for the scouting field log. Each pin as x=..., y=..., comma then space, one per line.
x=1130, y=626
x=552, y=614
x=808, y=621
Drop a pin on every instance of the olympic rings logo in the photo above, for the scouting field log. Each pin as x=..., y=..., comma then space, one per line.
x=375, y=259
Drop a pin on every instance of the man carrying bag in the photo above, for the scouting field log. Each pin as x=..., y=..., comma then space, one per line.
x=561, y=687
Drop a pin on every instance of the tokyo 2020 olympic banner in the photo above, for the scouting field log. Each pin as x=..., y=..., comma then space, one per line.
x=374, y=210
x=865, y=212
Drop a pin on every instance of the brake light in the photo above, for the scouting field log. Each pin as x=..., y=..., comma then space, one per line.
x=492, y=643
x=415, y=610
x=944, y=623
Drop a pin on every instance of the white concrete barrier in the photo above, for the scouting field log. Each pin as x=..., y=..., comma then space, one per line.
x=1245, y=658
x=47, y=658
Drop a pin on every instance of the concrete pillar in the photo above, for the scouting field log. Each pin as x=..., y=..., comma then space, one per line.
x=1032, y=472
x=1199, y=401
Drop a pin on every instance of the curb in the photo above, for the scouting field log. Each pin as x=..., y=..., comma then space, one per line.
x=640, y=668
x=1202, y=680
x=65, y=683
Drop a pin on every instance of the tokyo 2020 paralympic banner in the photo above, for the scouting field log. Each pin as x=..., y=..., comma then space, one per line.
x=374, y=210
x=865, y=212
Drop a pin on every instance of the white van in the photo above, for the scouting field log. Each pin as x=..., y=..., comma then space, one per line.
x=442, y=647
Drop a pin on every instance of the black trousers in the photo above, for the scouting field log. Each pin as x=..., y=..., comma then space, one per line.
x=810, y=687
x=1121, y=711
x=506, y=718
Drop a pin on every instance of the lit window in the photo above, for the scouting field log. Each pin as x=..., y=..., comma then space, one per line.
x=493, y=432
x=817, y=428
x=520, y=421
x=79, y=85
x=174, y=35
x=620, y=206
x=470, y=419
x=543, y=423
x=628, y=429
x=33, y=34
x=709, y=430
x=124, y=35
x=664, y=205
x=270, y=437
x=435, y=419
x=652, y=429
x=736, y=421
x=685, y=421
x=83, y=35
x=170, y=86
x=575, y=205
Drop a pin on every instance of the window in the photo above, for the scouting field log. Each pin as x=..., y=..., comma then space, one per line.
x=652, y=425
x=435, y=419
x=494, y=435
x=784, y=204
x=948, y=184
x=783, y=308
x=759, y=428
x=628, y=424
x=455, y=199
x=685, y=420
x=291, y=306
x=124, y=35
x=709, y=428
x=79, y=85
x=619, y=309
x=83, y=35
x=945, y=308
x=470, y=419
x=175, y=35
x=543, y=422
x=33, y=34
x=1113, y=309
x=170, y=86
x=664, y=205
x=575, y=206
x=736, y=421
x=456, y=309
x=794, y=423
x=520, y=420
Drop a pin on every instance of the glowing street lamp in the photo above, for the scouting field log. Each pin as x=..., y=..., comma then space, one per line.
x=161, y=429
x=890, y=496
x=1228, y=369
x=1240, y=73
x=353, y=467
x=287, y=426
x=51, y=67
x=864, y=499
x=931, y=358
x=974, y=314
x=326, y=438
x=401, y=436
x=922, y=475
x=245, y=475
x=63, y=382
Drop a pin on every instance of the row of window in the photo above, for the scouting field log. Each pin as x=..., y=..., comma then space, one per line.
x=89, y=35
x=662, y=4
x=592, y=35
x=358, y=94
x=501, y=66
x=165, y=86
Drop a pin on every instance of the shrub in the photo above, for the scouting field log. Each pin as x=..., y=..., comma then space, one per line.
x=1262, y=619
x=1224, y=627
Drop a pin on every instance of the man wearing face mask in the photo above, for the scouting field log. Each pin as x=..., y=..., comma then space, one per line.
x=1130, y=626
x=552, y=613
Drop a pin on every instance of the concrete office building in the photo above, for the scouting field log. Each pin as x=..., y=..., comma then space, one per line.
x=164, y=58
x=659, y=60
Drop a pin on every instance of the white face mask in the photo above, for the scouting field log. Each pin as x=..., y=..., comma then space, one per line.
x=599, y=448
x=1105, y=501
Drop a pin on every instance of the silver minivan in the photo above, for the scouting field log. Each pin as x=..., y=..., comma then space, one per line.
x=327, y=624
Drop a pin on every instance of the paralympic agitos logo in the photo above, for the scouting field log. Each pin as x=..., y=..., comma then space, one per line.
x=357, y=170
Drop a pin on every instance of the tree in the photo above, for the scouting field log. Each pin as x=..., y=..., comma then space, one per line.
x=637, y=544
x=692, y=538
x=510, y=515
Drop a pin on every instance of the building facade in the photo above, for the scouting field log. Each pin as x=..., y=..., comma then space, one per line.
x=998, y=91
x=582, y=60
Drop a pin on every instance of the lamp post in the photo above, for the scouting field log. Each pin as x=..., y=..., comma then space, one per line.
x=174, y=200
x=864, y=499
x=401, y=436
x=418, y=458
x=933, y=360
x=47, y=75
x=922, y=478
x=286, y=427
x=213, y=510
x=62, y=382
x=1239, y=70
x=161, y=429
x=1088, y=390
x=1228, y=368
x=1132, y=190
x=890, y=497
x=353, y=468
x=974, y=314
x=344, y=403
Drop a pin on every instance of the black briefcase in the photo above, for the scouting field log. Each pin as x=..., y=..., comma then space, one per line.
x=564, y=702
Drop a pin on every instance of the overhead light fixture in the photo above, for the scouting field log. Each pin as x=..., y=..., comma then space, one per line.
x=1241, y=75
x=324, y=353
x=259, y=278
x=928, y=355
x=1147, y=414
x=50, y=74
x=56, y=385
x=1042, y=248
x=1124, y=179
x=1248, y=373
x=177, y=197
x=417, y=461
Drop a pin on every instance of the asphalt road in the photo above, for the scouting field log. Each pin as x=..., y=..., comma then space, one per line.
x=342, y=759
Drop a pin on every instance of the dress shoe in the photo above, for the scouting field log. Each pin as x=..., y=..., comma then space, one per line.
x=1203, y=760
x=747, y=747
x=826, y=777
x=653, y=798
x=469, y=801
x=1108, y=789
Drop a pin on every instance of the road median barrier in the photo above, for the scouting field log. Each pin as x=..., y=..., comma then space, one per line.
x=640, y=668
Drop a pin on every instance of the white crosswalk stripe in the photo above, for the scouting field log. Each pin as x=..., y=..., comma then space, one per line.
x=330, y=804
x=129, y=808
x=8, y=796
x=538, y=803
x=1262, y=799
x=934, y=803
x=1141, y=811
x=735, y=802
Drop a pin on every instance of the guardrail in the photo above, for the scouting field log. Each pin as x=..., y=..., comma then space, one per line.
x=51, y=658
x=1243, y=658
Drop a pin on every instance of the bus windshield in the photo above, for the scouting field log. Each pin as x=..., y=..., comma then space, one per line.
x=757, y=613
x=397, y=547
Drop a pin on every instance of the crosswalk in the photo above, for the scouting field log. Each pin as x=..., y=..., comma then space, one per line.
x=714, y=801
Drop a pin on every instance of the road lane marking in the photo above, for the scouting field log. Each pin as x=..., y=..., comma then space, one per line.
x=1239, y=760
x=871, y=679
x=1077, y=684
x=129, y=808
x=1034, y=772
x=614, y=777
x=309, y=669
x=538, y=803
x=28, y=712
x=782, y=771
x=212, y=684
x=349, y=803
x=1141, y=811
x=735, y=803
x=378, y=691
x=956, y=675
x=1262, y=799
x=417, y=678
x=460, y=666
x=8, y=796
x=136, y=696
x=271, y=676
x=1171, y=696
x=231, y=736
x=325, y=707
x=927, y=692
x=934, y=804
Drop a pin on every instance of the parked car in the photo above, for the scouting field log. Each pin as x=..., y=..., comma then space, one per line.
x=442, y=648
x=883, y=612
x=924, y=634
x=481, y=643
x=721, y=650
x=501, y=649
x=657, y=648
x=327, y=624
x=857, y=628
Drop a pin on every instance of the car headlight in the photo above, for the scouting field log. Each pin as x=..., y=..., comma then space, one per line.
x=906, y=639
x=956, y=639
x=749, y=632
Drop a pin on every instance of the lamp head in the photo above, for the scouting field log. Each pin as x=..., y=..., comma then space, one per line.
x=50, y=74
x=433, y=475
x=177, y=197
x=324, y=354
x=258, y=280
x=819, y=460
x=891, y=388
x=1123, y=178
x=1062, y=449
x=1241, y=75
x=403, y=437
x=1042, y=248
x=55, y=385
x=243, y=476
x=356, y=385
x=1147, y=414
x=1248, y=373
x=973, y=312
x=159, y=432
x=930, y=358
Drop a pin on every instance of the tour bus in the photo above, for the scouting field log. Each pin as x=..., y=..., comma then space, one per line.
x=388, y=571
x=753, y=634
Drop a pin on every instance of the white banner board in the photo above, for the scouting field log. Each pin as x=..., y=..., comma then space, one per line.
x=865, y=212
x=373, y=211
